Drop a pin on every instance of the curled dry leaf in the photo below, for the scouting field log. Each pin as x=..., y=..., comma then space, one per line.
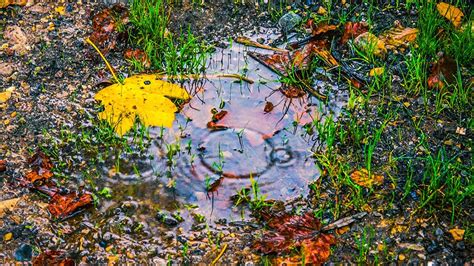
x=290, y=231
x=53, y=257
x=63, y=206
x=362, y=178
x=450, y=12
x=145, y=96
x=353, y=29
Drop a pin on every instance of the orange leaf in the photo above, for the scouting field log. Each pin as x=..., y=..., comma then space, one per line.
x=61, y=206
x=450, y=12
x=458, y=234
x=362, y=178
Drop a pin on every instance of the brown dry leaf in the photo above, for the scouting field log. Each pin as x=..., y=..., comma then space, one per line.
x=8, y=204
x=40, y=167
x=53, y=257
x=362, y=178
x=442, y=72
x=278, y=62
x=62, y=206
x=370, y=44
x=3, y=166
x=290, y=231
x=398, y=36
x=138, y=55
x=450, y=12
x=104, y=26
x=17, y=39
x=353, y=29
x=5, y=3
x=458, y=234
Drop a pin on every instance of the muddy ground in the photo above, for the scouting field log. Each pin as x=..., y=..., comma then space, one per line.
x=53, y=75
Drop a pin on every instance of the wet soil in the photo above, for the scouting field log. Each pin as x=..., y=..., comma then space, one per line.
x=162, y=209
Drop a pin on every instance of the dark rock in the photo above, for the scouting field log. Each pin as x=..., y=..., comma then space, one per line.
x=432, y=248
x=166, y=218
x=24, y=253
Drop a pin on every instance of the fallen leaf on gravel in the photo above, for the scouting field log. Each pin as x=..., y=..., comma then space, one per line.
x=40, y=167
x=62, y=206
x=17, y=39
x=53, y=257
x=461, y=131
x=442, y=72
x=6, y=69
x=5, y=3
x=458, y=234
x=376, y=71
x=450, y=12
x=139, y=56
x=144, y=96
x=370, y=43
x=353, y=29
x=411, y=246
x=8, y=204
x=320, y=28
x=398, y=36
x=104, y=26
x=3, y=166
x=293, y=231
x=362, y=178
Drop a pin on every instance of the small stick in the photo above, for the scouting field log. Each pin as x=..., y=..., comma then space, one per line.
x=246, y=41
x=105, y=60
x=220, y=255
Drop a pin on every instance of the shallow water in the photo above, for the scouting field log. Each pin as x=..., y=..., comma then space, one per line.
x=270, y=147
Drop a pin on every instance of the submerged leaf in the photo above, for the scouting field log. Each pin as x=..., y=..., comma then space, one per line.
x=290, y=231
x=450, y=12
x=370, y=43
x=144, y=96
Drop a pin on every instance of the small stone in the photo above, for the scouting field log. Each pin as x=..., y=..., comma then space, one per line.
x=7, y=237
x=6, y=69
x=23, y=253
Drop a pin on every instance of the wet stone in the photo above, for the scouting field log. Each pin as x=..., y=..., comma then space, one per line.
x=24, y=253
x=166, y=219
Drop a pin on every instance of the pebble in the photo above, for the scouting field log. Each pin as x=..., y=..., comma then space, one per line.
x=7, y=237
x=23, y=253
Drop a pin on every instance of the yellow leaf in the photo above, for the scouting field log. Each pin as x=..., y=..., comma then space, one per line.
x=4, y=96
x=376, y=71
x=145, y=96
x=458, y=234
x=450, y=12
x=7, y=204
x=362, y=178
x=370, y=44
x=5, y=3
x=398, y=36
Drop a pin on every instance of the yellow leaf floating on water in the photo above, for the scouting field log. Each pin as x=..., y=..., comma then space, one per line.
x=450, y=12
x=362, y=178
x=145, y=96
x=458, y=234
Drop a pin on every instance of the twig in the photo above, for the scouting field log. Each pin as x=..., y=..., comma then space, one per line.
x=246, y=41
x=220, y=255
x=105, y=60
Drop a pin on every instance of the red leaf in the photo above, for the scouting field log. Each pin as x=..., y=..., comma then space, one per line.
x=53, y=257
x=442, y=72
x=41, y=167
x=353, y=29
x=104, y=26
x=62, y=206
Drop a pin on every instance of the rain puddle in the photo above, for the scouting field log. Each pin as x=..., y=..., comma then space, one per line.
x=200, y=164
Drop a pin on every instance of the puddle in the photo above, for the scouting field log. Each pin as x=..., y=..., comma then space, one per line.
x=269, y=147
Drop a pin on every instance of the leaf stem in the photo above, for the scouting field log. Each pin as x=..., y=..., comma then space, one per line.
x=105, y=60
